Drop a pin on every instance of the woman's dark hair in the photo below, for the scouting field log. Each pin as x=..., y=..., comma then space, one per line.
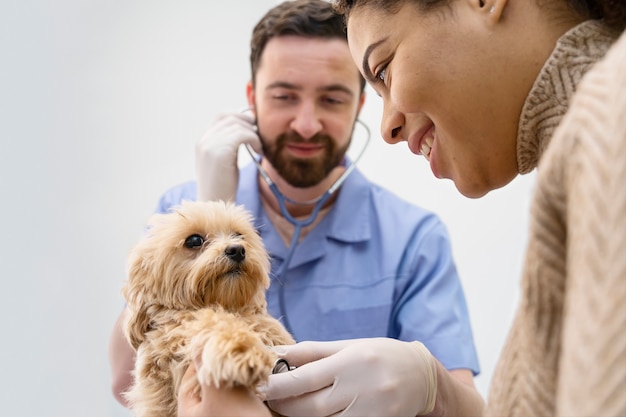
x=306, y=18
x=612, y=11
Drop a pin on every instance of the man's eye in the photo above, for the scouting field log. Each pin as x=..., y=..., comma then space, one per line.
x=284, y=97
x=332, y=100
x=194, y=242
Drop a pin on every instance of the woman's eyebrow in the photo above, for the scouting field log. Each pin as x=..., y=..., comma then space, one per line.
x=367, y=72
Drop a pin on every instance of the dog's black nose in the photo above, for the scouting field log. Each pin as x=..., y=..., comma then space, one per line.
x=236, y=252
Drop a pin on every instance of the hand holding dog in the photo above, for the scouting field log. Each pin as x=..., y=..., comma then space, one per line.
x=216, y=155
x=355, y=377
x=238, y=401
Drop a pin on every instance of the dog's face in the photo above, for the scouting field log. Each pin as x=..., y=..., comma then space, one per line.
x=202, y=254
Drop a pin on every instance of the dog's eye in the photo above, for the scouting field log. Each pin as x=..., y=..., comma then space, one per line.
x=194, y=242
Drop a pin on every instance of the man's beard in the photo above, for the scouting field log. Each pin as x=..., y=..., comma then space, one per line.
x=303, y=172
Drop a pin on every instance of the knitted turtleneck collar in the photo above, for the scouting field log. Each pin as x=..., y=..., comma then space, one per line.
x=575, y=53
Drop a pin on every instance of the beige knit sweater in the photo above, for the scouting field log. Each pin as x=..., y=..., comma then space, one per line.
x=566, y=352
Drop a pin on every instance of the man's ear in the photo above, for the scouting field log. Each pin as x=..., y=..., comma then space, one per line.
x=251, y=97
x=361, y=101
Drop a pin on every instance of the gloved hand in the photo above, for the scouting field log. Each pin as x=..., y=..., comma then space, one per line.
x=216, y=155
x=362, y=377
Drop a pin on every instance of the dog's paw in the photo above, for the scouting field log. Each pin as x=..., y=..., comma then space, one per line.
x=236, y=358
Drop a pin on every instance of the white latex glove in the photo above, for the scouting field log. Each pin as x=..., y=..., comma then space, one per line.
x=361, y=377
x=216, y=155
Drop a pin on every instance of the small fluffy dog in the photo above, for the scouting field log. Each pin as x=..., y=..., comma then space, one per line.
x=196, y=291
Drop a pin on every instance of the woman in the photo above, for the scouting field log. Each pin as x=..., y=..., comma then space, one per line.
x=481, y=89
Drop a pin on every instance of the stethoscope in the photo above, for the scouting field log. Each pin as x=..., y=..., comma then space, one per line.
x=299, y=224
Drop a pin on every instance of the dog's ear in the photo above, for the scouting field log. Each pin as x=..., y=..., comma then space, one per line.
x=136, y=292
x=136, y=326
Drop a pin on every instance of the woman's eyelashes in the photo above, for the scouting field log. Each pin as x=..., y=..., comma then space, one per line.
x=381, y=74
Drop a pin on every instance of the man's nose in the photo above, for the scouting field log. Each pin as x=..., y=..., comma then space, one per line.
x=307, y=121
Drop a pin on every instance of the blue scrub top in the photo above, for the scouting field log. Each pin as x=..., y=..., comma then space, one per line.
x=375, y=266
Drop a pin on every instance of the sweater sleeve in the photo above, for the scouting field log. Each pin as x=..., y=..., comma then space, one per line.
x=591, y=147
x=566, y=352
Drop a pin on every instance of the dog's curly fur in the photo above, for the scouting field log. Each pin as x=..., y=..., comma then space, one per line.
x=196, y=291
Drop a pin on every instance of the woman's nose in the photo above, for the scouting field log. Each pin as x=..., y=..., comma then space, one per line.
x=391, y=126
x=306, y=122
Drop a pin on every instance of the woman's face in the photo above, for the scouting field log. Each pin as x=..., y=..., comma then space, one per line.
x=448, y=89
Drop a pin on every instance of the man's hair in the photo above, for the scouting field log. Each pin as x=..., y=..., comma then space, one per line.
x=306, y=18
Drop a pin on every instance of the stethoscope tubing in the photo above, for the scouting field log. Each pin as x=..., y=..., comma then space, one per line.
x=299, y=224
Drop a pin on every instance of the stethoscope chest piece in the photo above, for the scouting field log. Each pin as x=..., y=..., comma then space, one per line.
x=281, y=365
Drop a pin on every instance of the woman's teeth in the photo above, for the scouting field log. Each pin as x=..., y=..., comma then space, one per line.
x=426, y=145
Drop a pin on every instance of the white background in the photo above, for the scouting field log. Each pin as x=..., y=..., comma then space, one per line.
x=101, y=103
